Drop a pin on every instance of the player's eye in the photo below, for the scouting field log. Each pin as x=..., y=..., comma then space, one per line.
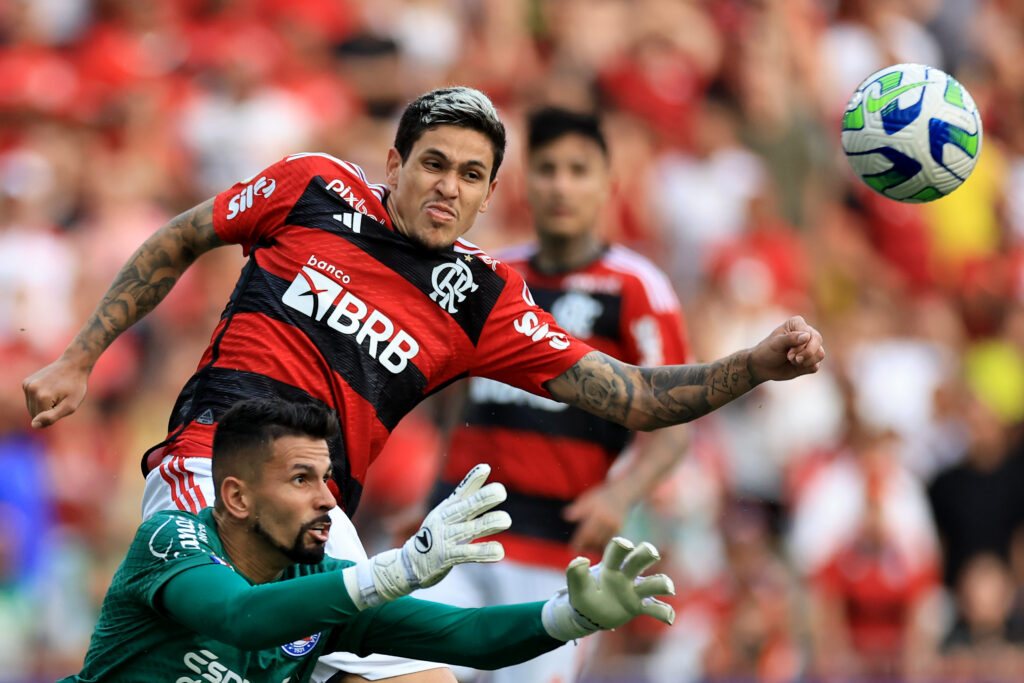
x=432, y=164
x=299, y=478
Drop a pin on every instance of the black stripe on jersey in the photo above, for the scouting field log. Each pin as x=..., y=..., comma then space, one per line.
x=391, y=395
x=570, y=423
x=217, y=389
x=536, y=516
x=316, y=209
x=606, y=324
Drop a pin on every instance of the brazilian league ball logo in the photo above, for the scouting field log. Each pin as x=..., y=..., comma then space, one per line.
x=300, y=647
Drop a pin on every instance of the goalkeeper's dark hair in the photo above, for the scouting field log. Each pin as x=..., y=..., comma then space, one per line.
x=245, y=435
x=457, y=106
x=550, y=123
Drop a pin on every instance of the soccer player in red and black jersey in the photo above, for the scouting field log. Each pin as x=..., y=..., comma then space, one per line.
x=554, y=459
x=363, y=297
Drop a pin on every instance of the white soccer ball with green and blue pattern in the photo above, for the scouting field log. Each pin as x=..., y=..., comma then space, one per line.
x=912, y=133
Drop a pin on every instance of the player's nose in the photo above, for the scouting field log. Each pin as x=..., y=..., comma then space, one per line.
x=324, y=498
x=448, y=184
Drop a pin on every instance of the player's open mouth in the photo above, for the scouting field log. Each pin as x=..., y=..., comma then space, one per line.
x=320, y=531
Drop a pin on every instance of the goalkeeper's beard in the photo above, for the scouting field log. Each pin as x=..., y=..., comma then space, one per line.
x=298, y=552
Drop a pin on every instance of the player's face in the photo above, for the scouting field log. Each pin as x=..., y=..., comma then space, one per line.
x=567, y=184
x=292, y=499
x=442, y=186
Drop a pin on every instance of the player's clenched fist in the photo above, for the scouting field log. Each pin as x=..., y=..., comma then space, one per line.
x=793, y=349
x=54, y=392
x=444, y=540
x=610, y=594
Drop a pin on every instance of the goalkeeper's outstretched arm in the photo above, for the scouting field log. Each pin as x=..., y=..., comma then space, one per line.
x=596, y=598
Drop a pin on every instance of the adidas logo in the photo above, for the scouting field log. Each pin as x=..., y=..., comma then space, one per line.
x=206, y=417
x=350, y=220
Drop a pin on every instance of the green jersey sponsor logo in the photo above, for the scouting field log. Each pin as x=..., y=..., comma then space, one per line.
x=205, y=665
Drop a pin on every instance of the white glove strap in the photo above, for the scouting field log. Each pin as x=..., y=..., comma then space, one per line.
x=381, y=578
x=562, y=621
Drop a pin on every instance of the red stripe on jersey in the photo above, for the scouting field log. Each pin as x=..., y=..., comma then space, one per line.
x=531, y=550
x=195, y=441
x=197, y=491
x=256, y=343
x=187, y=484
x=172, y=482
x=179, y=493
x=534, y=464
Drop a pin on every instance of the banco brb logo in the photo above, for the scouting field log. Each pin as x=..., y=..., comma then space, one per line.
x=450, y=281
x=312, y=293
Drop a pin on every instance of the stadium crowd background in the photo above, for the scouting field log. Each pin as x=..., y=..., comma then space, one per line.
x=860, y=524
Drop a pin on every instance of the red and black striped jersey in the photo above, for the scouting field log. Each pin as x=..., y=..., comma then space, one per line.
x=336, y=306
x=547, y=453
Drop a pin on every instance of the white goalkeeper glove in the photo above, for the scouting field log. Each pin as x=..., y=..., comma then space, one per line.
x=609, y=594
x=444, y=540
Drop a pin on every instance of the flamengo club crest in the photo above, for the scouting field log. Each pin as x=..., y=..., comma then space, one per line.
x=450, y=281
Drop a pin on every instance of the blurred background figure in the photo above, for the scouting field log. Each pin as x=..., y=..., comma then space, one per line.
x=862, y=523
x=986, y=640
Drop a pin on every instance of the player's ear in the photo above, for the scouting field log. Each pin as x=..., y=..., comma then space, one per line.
x=235, y=497
x=391, y=167
x=490, y=191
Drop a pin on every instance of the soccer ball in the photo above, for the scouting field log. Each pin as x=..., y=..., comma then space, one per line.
x=912, y=133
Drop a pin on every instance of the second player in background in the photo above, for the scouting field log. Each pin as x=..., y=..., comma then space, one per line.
x=570, y=477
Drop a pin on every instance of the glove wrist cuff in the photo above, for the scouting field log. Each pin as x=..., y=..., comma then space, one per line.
x=382, y=578
x=562, y=621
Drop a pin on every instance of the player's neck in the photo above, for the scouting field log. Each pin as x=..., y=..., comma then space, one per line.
x=560, y=254
x=248, y=552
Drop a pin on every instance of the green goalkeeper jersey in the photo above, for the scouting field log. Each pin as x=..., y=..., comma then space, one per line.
x=178, y=611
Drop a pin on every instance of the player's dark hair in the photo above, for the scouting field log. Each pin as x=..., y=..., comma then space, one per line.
x=458, y=106
x=245, y=434
x=550, y=123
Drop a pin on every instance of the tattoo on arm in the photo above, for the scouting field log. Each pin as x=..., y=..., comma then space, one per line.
x=148, y=276
x=649, y=398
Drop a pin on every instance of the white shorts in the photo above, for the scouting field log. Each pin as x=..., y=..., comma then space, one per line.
x=505, y=582
x=187, y=484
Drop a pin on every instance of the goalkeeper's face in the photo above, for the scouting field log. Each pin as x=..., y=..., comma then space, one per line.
x=292, y=499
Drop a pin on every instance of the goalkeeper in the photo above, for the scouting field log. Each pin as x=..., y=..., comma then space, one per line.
x=243, y=591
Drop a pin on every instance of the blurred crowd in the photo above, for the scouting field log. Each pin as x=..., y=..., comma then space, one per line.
x=861, y=524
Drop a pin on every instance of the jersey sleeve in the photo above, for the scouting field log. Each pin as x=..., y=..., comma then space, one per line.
x=521, y=343
x=221, y=604
x=653, y=322
x=165, y=545
x=255, y=209
x=482, y=638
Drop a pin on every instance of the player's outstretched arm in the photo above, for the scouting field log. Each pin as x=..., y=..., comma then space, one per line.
x=602, y=597
x=610, y=594
x=444, y=540
x=650, y=398
x=58, y=389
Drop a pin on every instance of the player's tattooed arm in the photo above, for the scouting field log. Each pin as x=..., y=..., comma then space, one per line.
x=147, y=278
x=55, y=391
x=649, y=398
